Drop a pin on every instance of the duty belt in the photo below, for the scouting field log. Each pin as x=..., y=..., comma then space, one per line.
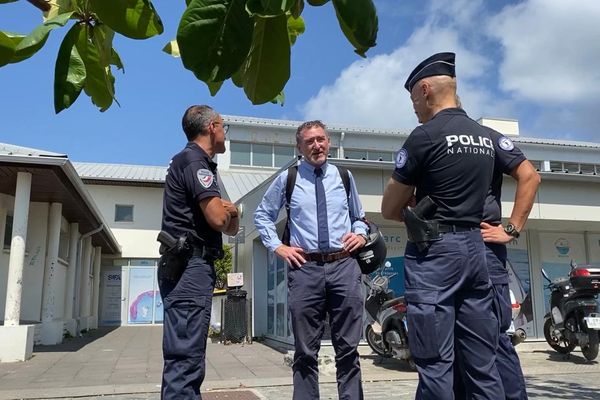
x=444, y=228
x=326, y=257
x=207, y=253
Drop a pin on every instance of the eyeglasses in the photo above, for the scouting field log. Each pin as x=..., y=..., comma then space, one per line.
x=225, y=126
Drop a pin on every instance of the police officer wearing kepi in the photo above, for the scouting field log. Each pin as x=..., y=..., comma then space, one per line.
x=510, y=161
x=324, y=228
x=194, y=218
x=448, y=160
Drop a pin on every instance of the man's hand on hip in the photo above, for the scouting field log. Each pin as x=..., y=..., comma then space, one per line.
x=294, y=256
x=494, y=234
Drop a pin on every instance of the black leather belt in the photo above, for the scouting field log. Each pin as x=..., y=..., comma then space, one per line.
x=326, y=257
x=444, y=228
x=208, y=253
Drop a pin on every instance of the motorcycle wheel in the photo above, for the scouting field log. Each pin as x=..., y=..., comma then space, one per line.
x=375, y=341
x=590, y=351
x=563, y=346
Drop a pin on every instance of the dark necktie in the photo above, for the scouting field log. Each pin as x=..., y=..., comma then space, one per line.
x=321, y=210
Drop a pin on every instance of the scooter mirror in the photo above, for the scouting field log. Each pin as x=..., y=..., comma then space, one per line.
x=573, y=264
x=545, y=275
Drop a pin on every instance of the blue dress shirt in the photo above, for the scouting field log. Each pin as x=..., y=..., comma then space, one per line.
x=303, y=209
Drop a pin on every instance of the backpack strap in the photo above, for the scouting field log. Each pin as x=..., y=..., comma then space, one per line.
x=289, y=189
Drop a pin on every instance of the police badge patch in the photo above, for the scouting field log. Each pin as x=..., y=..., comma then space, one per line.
x=401, y=158
x=505, y=143
x=205, y=177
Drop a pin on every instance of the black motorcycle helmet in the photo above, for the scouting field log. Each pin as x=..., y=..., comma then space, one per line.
x=372, y=255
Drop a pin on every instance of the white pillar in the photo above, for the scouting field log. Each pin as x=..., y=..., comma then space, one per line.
x=14, y=286
x=50, y=297
x=96, y=293
x=84, y=287
x=70, y=283
x=3, y=215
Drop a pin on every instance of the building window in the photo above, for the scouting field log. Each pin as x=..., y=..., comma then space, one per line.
x=368, y=155
x=8, y=231
x=123, y=213
x=240, y=153
x=283, y=155
x=261, y=154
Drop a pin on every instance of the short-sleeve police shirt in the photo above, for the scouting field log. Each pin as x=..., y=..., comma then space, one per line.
x=508, y=157
x=450, y=158
x=191, y=177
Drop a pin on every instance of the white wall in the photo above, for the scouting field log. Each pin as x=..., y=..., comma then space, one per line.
x=137, y=238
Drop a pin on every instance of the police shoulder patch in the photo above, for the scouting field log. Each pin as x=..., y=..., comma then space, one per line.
x=401, y=158
x=205, y=177
x=505, y=143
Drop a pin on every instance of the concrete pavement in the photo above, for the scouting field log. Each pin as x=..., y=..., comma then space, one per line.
x=126, y=363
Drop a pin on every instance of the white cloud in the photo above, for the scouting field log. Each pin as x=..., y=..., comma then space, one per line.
x=371, y=92
x=551, y=50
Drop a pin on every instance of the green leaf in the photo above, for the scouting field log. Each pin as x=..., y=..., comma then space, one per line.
x=214, y=87
x=358, y=20
x=99, y=84
x=298, y=8
x=7, y=1
x=59, y=7
x=172, y=48
x=116, y=60
x=7, y=48
x=269, y=8
x=279, y=99
x=136, y=19
x=317, y=2
x=31, y=43
x=214, y=37
x=238, y=78
x=267, y=69
x=295, y=27
x=69, y=71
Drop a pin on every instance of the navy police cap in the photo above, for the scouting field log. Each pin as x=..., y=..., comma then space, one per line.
x=437, y=64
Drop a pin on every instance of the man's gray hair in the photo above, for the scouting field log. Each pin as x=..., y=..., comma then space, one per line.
x=196, y=120
x=309, y=125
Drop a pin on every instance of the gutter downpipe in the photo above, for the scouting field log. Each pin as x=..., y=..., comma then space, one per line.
x=341, y=149
x=78, y=271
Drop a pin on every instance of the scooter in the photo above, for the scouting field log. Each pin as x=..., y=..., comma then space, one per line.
x=574, y=319
x=516, y=335
x=387, y=334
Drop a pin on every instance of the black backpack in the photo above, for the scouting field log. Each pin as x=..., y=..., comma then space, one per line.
x=289, y=189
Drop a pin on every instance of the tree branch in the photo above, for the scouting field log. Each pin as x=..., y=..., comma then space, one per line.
x=41, y=4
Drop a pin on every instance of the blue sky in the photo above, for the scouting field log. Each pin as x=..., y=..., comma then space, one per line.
x=536, y=61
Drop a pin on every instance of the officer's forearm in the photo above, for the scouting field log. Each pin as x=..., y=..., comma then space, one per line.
x=528, y=181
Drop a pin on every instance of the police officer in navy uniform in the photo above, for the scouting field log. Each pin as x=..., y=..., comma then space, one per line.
x=510, y=161
x=448, y=159
x=195, y=214
x=325, y=227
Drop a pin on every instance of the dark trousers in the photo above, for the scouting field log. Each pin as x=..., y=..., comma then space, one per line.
x=507, y=360
x=450, y=310
x=187, y=306
x=314, y=290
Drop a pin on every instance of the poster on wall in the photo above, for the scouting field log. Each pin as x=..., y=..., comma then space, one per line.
x=395, y=240
x=111, y=298
x=145, y=304
x=558, y=250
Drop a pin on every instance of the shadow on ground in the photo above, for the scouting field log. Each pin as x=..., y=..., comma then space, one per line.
x=571, y=357
x=76, y=343
x=387, y=362
x=540, y=388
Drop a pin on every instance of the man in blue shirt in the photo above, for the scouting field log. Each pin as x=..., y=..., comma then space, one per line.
x=324, y=227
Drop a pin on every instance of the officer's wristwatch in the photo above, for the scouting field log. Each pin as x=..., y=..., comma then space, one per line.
x=511, y=230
